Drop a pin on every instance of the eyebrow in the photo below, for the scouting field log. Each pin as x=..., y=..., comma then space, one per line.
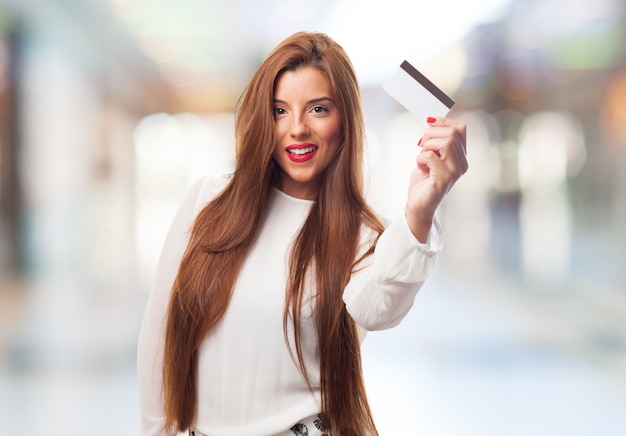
x=312, y=101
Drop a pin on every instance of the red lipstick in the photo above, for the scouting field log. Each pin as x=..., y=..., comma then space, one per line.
x=301, y=152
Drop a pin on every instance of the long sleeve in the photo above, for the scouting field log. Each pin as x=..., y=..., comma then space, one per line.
x=382, y=290
x=151, y=338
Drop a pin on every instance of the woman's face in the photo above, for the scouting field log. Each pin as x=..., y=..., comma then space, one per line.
x=308, y=130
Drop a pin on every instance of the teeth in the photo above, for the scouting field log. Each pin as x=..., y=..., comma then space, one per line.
x=300, y=151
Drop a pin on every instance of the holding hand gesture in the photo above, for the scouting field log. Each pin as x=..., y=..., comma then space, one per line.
x=440, y=164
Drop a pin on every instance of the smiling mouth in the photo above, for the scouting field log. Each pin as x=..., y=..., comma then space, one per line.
x=302, y=151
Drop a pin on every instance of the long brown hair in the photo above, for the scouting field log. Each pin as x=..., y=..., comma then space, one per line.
x=325, y=248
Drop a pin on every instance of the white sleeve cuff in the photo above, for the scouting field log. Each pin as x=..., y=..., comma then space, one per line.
x=435, y=239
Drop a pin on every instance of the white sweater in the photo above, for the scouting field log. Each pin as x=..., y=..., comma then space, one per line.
x=248, y=383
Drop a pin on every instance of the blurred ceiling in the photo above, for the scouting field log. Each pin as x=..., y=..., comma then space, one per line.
x=202, y=45
x=206, y=50
x=201, y=35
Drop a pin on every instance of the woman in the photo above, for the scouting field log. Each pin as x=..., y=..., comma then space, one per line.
x=270, y=277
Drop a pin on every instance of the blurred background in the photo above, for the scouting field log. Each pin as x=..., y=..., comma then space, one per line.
x=110, y=109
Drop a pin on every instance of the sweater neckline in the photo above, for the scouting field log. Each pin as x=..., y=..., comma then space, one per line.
x=291, y=198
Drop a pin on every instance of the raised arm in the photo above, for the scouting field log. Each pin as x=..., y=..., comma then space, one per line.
x=383, y=289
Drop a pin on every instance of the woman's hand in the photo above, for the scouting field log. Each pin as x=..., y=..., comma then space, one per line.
x=440, y=164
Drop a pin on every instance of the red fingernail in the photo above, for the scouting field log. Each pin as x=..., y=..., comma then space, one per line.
x=431, y=120
x=420, y=142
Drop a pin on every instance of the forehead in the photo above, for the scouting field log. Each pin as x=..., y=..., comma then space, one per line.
x=302, y=82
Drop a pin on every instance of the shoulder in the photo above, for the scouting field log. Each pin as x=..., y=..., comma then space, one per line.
x=207, y=188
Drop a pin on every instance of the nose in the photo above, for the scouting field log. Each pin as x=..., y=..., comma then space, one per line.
x=299, y=127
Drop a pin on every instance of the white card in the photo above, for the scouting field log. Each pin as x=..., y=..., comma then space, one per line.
x=417, y=94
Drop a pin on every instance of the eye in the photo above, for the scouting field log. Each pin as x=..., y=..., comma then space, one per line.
x=279, y=111
x=319, y=109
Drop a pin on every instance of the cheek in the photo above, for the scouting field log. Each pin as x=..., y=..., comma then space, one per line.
x=338, y=136
x=279, y=137
x=277, y=130
x=334, y=134
x=275, y=153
